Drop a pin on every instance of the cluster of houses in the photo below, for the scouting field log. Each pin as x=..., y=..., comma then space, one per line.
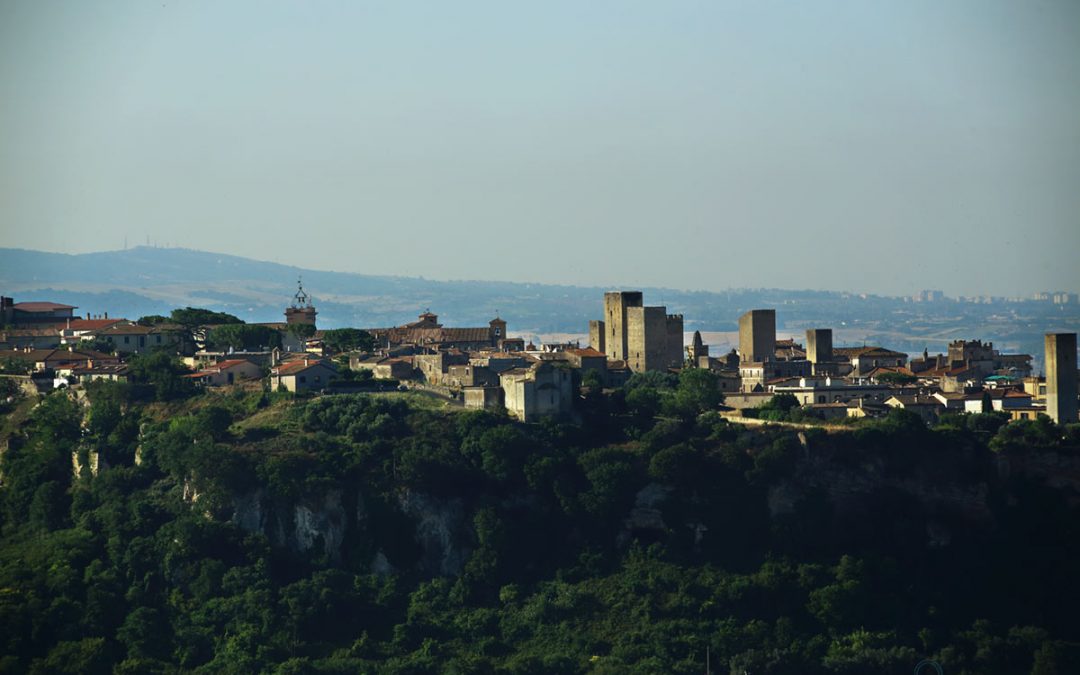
x=483, y=367
x=835, y=382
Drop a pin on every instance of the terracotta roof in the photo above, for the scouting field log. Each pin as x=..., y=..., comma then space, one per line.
x=299, y=366
x=58, y=355
x=431, y=335
x=103, y=368
x=92, y=324
x=136, y=329
x=587, y=352
x=40, y=306
x=881, y=370
x=52, y=330
x=230, y=363
x=21, y=355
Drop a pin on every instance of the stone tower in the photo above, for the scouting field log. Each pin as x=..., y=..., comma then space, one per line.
x=1061, y=377
x=301, y=311
x=496, y=331
x=818, y=345
x=616, y=305
x=697, y=347
x=757, y=336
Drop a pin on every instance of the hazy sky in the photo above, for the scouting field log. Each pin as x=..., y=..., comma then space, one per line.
x=869, y=146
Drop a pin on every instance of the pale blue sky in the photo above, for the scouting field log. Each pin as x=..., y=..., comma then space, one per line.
x=867, y=146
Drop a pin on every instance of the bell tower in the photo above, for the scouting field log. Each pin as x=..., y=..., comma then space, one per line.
x=301, y=311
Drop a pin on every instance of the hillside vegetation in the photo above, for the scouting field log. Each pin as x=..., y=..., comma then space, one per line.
x=254, y=532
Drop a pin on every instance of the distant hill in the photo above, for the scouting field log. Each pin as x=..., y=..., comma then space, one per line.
x=145, y=280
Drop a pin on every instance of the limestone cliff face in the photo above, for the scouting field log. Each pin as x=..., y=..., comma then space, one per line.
x=314, y=525
x=320, y=524
x=442, y=530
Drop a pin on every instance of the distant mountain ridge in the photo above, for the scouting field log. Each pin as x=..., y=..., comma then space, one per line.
x=166, y=277
x=146, y=280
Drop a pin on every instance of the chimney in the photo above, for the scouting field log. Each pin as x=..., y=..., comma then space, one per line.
x=106, y=315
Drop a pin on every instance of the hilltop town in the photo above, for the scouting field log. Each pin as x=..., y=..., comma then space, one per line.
x=45, y=346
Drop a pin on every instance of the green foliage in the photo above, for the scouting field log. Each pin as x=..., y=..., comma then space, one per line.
x=11, y=365
x=97, y=345
x=351, y=533
x=895, y=378
x=592, y=378
x=162, y=375
x=698, y=391
x=779, y=408
x=340, y=340
x=193, y=317
x=243, y=337
x=300, y=331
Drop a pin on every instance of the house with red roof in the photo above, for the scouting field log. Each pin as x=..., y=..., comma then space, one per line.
x=302, y=374
x=224, y=373
x=33, y=313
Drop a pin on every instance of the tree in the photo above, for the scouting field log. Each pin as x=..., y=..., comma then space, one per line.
x=778, y=407
x=891, y=377
x=347, y=339
x=301, y=331
x=243, y=337
x=698, y=391
x=192, y=317
x=163, y=373
x=11, y=365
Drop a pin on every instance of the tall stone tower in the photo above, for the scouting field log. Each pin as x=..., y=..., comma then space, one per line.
x=818, y=345
x=301, y=311
x=597, y=337
x=757, y=336
x=615, y=322
x=1061, y=377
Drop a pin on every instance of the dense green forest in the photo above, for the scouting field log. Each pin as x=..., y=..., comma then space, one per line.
x=151, y=529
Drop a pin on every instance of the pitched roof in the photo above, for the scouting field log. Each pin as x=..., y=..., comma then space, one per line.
x=587, y=352
x=92, y=324
x=50, y=331
x=230, y=363
x=40, y=306
x=102, y=368
x=299, y=366
x=60, y=355
x=431, y=335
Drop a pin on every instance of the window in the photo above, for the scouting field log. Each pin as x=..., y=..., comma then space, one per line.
x=302, y=379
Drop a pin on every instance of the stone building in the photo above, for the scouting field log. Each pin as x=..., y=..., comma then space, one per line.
x=819, y=351
x=1061, y=377
x=428, y=333
x=542, y=390
x=645, y=338
x=757, y=336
